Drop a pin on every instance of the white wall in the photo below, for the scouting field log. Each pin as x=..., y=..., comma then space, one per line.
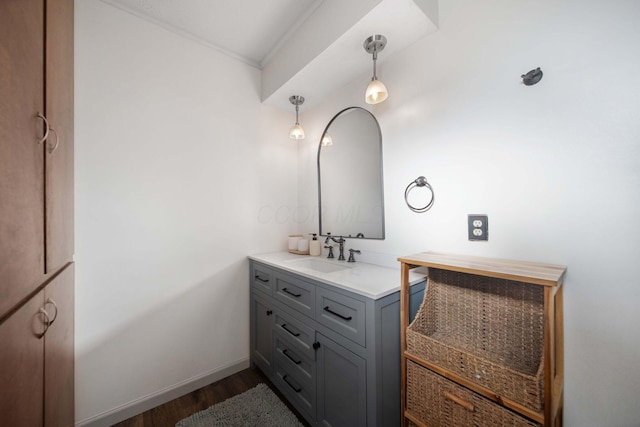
x=179, y=173
x=556, y=166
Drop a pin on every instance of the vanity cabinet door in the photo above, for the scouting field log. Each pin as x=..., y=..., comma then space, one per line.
x=342, y=386
x=261, y=334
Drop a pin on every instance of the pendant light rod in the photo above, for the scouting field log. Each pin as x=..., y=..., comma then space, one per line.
x=296, y=132
x=373, y=45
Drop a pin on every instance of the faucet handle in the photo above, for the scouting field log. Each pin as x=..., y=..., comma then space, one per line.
x=330, y=247
x=351, y=257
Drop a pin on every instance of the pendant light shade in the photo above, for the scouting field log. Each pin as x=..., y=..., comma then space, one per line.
x=296, y=131
x=326, y=140
x=376, y=91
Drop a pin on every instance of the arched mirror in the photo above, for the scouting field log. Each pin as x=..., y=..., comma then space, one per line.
x=350, y=196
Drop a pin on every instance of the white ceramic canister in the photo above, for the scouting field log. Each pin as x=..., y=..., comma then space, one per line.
x=303, y=245
x=293, y=241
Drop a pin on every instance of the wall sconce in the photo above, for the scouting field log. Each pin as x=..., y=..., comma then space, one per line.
x=296, y=131
x=376, y=91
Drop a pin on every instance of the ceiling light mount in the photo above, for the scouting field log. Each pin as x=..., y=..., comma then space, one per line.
x=376, y=91
x=296, y=131
x=375, y=44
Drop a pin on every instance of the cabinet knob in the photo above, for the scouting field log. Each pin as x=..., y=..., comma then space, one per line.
x=316, y=345
x=269, y=312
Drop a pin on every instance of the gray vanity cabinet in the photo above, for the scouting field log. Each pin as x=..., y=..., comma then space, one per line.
x=334, y=354
x=342, y=386
x=261, y=341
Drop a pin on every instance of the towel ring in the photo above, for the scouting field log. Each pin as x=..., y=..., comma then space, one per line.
x=420, y=181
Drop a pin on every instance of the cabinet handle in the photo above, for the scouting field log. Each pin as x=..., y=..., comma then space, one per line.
x=347, y=318
x=55, y=147
x=297, y=390
x=297, y=362
x=291, y=293
x=47, y=127
x=295, y=334
x=257, y=276
x=55, y=315
x=455, y=399
x=316, y=345
x=47, y=323
x=269, y=312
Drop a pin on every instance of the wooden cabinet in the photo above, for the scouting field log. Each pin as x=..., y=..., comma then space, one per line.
x=21, y=158
x=36, y=212
x=334, y=354
x=36, y=358
x=59, y=405
x=36, y=176
x=58, y=156
x=21, y=366
x=486, y=347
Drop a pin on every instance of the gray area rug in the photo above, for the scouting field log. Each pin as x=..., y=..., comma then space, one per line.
x=258, y=406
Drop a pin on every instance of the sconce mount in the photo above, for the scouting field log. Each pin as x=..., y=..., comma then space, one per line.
x=532, y=77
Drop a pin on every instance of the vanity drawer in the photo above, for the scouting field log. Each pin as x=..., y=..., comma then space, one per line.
x=262, y=278
x=288, y=355
x=298, y=391
x=341, y=313
x=295, y=293
x=299, y=335
x=437, y=401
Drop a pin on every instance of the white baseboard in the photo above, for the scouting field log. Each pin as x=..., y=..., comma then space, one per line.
x=150, y=401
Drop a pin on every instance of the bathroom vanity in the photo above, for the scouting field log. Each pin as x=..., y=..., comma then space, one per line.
x=327, y=334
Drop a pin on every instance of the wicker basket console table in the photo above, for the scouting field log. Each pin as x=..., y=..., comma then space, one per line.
x=486, y=347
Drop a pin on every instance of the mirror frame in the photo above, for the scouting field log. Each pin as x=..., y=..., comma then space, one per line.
x=320, y=232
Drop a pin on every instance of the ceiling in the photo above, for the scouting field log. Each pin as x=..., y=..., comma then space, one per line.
x=303, y=47
x=248, y=30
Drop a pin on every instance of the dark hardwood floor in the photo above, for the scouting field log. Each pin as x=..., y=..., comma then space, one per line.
x=170, y=413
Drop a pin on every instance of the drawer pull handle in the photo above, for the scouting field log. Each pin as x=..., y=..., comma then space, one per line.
x=297, y=362
x=297, y=390
x=295, y=334
x=261, y=279
x=455, y=399
x=291, y=293
x=347, y=318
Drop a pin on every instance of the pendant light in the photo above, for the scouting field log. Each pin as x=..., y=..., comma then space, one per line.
x=296, y=131
x=376, y=91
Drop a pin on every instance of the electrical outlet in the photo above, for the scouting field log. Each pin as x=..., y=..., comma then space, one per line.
x=478, y=226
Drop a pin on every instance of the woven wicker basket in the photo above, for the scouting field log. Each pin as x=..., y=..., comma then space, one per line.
x=486, y=330
x=427, y=400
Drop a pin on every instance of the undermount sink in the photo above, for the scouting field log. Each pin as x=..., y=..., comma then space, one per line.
x=318, y=265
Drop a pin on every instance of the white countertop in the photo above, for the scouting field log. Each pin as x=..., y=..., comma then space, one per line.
x=369, y=280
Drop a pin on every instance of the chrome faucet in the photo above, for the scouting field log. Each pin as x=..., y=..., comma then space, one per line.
x=340, y=241
x=351, y=252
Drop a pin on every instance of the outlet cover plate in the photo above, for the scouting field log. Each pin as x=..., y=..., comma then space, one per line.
x=478, y=227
